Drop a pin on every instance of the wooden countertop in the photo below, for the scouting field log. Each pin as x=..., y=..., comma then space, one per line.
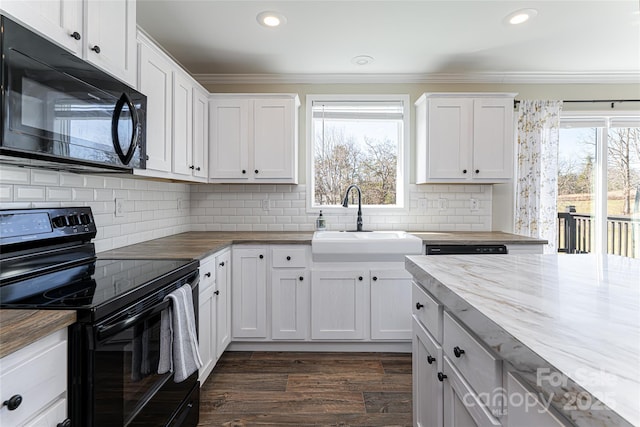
x=200, y=244
x=475, y=238
x=19, y=328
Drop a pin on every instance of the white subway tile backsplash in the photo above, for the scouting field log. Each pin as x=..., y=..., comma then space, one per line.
x=152, y=209
x=59, y=194
x=32, y=194
x=43, y=177
x=6, y=193
x=14, y=175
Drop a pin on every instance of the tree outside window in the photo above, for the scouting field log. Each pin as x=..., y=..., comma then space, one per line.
x=357, y=141
x=580, y=198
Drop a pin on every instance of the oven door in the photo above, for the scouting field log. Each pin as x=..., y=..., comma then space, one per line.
x=125, y=388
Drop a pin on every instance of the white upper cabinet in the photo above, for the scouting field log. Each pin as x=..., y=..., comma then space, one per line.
x=182, y=124
x=253, y=138
x=464, y=138
x=155, y=81
x=111, y=37
x=101, y=31
x=177, y=117
x=200, y=152
x=229, y=138
x=59, y=20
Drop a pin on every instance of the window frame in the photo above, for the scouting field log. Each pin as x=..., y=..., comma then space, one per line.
x=403, y=171
x=602, y=120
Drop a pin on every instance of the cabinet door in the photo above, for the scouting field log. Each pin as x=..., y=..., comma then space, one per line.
x=200, y=155
x=493, y=138
x=182, y=124
x=449, y=138
x=206, y=332
x=337, y=310
x=273, y=136
x=111, y=37
x=223, y=302
x=289, y=304
x=155, y=81
x=462, y=407
x=229, y=138
x=249, y=293
x=427, y=390
x=57, y=20
x=390, y=305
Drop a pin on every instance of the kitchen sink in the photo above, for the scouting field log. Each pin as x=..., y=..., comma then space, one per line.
x=362, y=246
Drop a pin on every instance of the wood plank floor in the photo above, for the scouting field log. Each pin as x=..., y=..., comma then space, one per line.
x=308, y=389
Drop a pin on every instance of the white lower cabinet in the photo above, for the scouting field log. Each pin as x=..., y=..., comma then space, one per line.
x=290, y=305
x=37, y=373
x=338, y=304
x=206, y=318
x=527, y=410
x=213, y=314
x=390, y=305
x=222, y=295
x=427, y=389
x=458, y=383
x=249, y=292
x=462, y=407
x=51, y=416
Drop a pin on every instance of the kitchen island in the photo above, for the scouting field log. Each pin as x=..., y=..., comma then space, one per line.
x=569, y=325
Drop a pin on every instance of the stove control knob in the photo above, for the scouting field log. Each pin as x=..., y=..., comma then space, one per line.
x=59, y=221
x=65, y=423
x=85, y=219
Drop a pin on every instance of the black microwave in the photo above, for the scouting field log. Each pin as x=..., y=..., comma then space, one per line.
x=60, y=112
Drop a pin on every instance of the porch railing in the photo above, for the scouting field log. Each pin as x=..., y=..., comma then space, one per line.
x=575, y=231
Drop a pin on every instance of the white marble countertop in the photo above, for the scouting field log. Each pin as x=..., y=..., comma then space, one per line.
x=576, y=314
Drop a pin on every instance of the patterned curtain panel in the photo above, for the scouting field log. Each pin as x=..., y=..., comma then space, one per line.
x=537, y=185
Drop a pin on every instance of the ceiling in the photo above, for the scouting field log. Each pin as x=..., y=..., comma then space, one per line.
x=420, y=37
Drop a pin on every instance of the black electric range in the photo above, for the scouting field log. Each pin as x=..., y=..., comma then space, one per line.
x=48, y=262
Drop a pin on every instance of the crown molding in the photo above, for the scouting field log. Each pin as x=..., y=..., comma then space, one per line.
x=605, y=77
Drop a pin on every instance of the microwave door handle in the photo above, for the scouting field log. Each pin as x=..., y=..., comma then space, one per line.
x=125, y=158
x=106, y=331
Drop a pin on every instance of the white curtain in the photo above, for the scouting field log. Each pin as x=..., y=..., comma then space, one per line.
x=537, y=184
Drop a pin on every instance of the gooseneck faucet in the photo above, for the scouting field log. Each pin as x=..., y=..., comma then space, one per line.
x=345, y=203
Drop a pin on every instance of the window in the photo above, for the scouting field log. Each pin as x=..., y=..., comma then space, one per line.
x=359, y=139
x=599, y=185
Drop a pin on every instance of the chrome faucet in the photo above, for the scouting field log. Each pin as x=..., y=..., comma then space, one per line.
x=345, y=203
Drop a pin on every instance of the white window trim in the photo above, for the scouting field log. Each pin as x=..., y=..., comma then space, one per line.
x=402, y=189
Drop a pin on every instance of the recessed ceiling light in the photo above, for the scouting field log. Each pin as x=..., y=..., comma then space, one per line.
x=271, y=19
x=521, y=16
x=362, y=60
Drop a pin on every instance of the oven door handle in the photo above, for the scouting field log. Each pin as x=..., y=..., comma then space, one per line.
x=105, y=331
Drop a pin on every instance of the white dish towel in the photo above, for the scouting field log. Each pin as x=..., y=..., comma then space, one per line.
x=178, y=337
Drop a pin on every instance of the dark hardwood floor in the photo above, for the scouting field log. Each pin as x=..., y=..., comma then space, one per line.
x=308, y=389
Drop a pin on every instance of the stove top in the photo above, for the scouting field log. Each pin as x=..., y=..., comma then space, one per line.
x=92, y=285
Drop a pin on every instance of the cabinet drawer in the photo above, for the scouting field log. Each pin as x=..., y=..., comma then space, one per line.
x=477, y=364
x=38, y=373
x=427, y=311
x=530, y=412
x=207, y=273
x=289, y=257
x=51, y=416
x=462, y=406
